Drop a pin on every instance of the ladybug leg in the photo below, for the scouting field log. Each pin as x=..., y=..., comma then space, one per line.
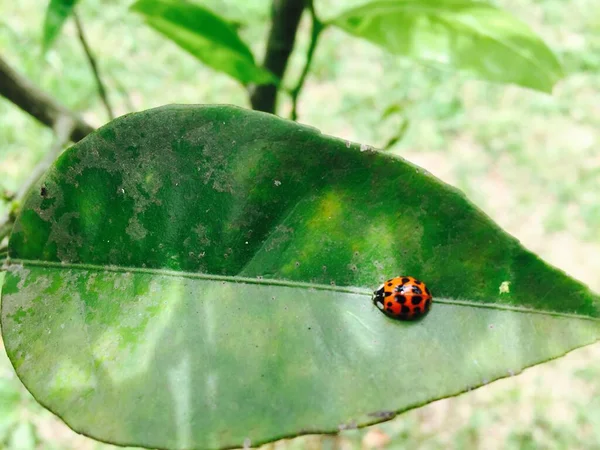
x=378, y=297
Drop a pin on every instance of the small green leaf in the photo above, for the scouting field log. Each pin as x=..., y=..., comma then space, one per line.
x=56, y=14
x=207, y=36
x=201, y=277
x=470, y=36
x=398, y=135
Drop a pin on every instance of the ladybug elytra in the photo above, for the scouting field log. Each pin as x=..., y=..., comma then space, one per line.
x=404, y=298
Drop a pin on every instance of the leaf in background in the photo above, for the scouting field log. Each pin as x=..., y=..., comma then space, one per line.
x=56, y=14
x=470, y=36
x=200, y=277
x=207, y=36
x=398, y=135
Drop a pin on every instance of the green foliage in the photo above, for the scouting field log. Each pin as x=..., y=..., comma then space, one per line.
x=9, y=401
x=56, y=14
x=23, y=437
x=235, y=263
x=467, y=35
x=205, y=35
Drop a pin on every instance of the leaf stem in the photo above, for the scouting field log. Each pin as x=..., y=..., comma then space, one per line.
x=94, y=65
x=286, y=16
x=317, y=29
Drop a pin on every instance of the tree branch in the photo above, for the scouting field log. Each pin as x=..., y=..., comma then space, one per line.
x=285, y=18
x=92, y=60
x=317, y=28
x=33, y=101
x=63, y=130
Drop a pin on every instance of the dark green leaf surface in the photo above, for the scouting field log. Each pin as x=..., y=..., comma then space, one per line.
x=207, y=36
x=56, y=14
x=199, y=276
x=467, y=35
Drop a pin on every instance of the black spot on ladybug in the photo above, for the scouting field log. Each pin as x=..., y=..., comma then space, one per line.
x=389, y=284
x=427, y=291
x=405, y=280
x=417, y=310
x=400, y=298
x=43, y=191
x=405, y=309
x=417, y=290
x=416, y=300
x=427, y=303
x=417, y=281
x=389, y=304
x=387, y=293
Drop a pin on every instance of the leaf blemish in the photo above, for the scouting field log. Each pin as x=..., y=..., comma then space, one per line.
x=383, y=414
x=347, y=426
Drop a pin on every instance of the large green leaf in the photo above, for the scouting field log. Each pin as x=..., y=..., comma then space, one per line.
x=207, y=36
x=56, y=13
x=199, y=276
x=468, y=35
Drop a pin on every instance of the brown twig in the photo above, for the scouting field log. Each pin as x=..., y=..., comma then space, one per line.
x=285, y=18
x=63, y=129
x=93, y=64
x=30, y=99
x=317, y=28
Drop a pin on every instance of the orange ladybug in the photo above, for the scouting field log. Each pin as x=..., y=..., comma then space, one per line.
x=404, y=298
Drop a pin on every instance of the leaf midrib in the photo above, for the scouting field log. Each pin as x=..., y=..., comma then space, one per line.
x=282, y=283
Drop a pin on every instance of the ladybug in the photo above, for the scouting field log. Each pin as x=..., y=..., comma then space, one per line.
x=404, y=298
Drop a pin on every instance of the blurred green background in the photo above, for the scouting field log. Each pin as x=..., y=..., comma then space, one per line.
x=529, y=160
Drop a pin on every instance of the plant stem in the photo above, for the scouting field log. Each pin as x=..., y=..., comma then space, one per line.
x=63, y=129
x=33, y=101
x=317, y=29
x=5, y=227
x=92, y=60
x=3, y=258
x=285, y=18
